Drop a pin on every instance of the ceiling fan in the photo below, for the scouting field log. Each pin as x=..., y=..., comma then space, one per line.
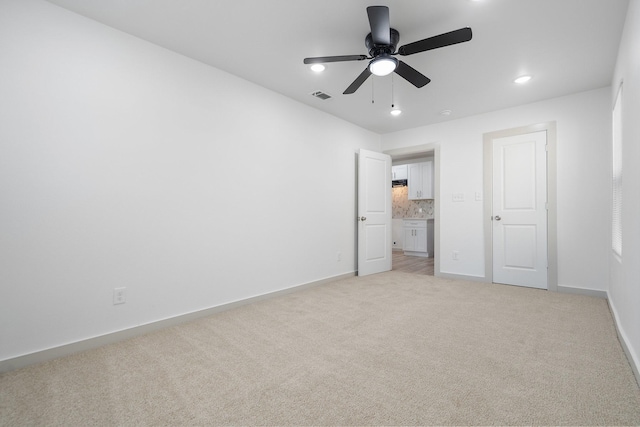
x=381, y=43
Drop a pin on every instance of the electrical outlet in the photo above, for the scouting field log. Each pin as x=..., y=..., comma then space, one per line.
x=455, y=255
x=119, y=296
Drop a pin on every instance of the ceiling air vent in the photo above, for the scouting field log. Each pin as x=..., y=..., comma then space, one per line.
x=321, y=95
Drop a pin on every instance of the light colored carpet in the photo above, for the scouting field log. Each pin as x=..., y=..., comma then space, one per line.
x=389, y=349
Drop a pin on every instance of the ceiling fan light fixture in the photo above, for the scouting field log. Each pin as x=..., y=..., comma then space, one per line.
x=381, y=44
x=383, y=65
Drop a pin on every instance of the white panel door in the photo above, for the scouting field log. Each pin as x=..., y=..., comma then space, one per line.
x=374, y=212
x=519, y=210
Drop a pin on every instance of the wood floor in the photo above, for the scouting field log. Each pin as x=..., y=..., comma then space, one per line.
x=412, y=264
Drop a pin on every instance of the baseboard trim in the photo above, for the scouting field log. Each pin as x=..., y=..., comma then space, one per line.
x=632, y=358
x=582, y=291
x=113, y=337
x=468, y=278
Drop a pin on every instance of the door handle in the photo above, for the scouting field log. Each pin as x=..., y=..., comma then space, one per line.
x=498, y=218
x=362, y=218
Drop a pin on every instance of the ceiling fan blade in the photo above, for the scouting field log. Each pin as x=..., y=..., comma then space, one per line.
x=446, y=39
x=357, y=82
x=411, y=75
x=379, y=23
x=321, y=59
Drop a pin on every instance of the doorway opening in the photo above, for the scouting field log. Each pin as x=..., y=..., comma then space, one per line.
x=415, y=230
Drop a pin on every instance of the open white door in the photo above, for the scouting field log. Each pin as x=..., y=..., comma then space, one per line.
x=519, y=210
x=374, y=213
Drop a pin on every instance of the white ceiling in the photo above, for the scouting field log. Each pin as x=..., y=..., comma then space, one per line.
x=567, y=45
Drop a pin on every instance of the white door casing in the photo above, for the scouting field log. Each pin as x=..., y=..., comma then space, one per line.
x=374, y=212
x=519, y=213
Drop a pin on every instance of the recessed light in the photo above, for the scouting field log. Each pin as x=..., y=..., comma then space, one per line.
x=318, y=68
x=445, y=112
x=396, y=112
x=522, y=79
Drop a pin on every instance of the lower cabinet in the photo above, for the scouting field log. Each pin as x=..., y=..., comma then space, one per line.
x=415, y=237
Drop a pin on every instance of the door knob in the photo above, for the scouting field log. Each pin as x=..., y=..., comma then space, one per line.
x=363, y=218
x=498, y=218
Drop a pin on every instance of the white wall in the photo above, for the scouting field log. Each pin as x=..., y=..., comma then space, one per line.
x=584, y=184
x=624, y=294
x=123, y=164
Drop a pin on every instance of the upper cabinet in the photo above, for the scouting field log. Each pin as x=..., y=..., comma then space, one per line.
x=398, y=172
x=420, y=180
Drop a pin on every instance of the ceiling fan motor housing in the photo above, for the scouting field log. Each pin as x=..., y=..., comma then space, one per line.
x=375, y=50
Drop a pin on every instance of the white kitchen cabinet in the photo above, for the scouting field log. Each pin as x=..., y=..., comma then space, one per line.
x=420, y=180
x=399, y=172
x=415, y=237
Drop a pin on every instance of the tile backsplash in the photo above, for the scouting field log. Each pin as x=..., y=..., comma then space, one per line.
x=405, y=208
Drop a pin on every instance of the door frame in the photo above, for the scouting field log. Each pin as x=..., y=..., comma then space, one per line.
x=552, y=211
x=414, y=152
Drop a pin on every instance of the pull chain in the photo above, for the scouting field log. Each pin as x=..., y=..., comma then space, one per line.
x=372, y=96
x=392, y=92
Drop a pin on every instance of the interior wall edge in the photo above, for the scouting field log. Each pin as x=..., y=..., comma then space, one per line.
x=582, y=291
x=114, y=337
x=632, y=357
x=455, y=276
